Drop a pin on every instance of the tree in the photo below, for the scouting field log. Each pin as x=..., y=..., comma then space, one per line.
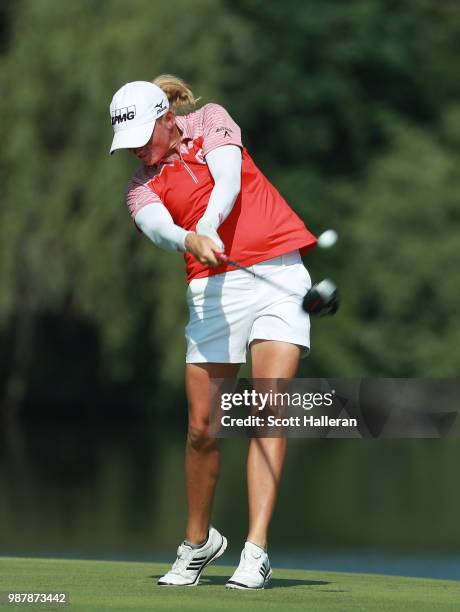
x=402, y=279
x=69, y=248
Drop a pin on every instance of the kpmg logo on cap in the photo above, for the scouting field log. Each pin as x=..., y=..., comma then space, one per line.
x=120, y=115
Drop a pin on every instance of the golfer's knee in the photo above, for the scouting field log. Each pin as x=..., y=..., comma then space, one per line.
x=199, y=438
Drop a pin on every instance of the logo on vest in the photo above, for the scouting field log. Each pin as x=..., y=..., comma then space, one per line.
x=120, y=115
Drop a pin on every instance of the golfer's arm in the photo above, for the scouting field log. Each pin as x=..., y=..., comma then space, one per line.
x=224, y=164
x=156, y=223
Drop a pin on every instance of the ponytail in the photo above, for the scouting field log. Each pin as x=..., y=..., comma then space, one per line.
x=180, y=96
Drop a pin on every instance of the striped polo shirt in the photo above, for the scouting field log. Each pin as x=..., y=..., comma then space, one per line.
x=261, y=224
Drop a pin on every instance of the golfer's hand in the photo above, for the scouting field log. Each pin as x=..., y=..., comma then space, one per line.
x=205, y=228
x=204, y=249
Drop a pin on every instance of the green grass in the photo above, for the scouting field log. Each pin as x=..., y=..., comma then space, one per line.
x=111, y=585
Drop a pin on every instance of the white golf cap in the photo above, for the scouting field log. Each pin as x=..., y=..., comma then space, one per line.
x=134, y=109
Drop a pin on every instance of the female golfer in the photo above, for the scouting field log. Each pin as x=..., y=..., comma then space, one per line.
x=198, y=191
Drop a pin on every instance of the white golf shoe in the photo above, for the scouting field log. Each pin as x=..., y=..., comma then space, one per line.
x=190, y=562
x=254, y=570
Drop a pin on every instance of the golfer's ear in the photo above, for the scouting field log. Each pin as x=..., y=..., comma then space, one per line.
x=169, y=118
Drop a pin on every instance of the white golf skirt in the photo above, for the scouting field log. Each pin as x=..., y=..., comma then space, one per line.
x=228, y=311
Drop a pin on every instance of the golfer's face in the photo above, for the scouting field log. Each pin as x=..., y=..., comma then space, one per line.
x=157, y=147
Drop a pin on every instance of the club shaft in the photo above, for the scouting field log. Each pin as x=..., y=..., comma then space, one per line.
x=267, y=280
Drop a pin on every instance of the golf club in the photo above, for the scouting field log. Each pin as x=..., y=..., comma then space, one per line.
x=321, y=299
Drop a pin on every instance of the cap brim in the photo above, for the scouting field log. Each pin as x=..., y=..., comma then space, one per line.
x=132, y=138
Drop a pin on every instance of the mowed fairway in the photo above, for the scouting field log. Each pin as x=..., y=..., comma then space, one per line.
x=106, y=585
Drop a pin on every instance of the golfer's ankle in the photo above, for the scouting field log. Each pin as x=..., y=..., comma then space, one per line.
x=196, y=538
x=259, y=541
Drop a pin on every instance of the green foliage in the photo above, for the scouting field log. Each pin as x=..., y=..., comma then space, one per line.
x=349, y=107
x=319, y=82
x=64, y=228
x=403, y=266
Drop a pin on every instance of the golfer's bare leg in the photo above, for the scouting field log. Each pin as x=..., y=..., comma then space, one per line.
x=202, y=452
x=270, y=359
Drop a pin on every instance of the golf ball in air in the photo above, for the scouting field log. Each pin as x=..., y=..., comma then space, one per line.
x=327, y=239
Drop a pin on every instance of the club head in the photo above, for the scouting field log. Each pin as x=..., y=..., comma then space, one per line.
x=322, y=299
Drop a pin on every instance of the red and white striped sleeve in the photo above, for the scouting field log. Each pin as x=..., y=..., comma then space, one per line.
x=219, y=129
x=154, y=221
x=139, y=195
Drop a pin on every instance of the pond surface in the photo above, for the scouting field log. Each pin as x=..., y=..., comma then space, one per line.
x=82, y=490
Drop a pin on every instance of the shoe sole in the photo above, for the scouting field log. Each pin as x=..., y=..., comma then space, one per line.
x=245, y=587
x=216, y=555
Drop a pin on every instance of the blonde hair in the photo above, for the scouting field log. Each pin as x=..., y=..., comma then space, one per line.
x=180, y=96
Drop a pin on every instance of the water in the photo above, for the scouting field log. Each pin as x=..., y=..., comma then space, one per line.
x=441, y=566
x=84, y=491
